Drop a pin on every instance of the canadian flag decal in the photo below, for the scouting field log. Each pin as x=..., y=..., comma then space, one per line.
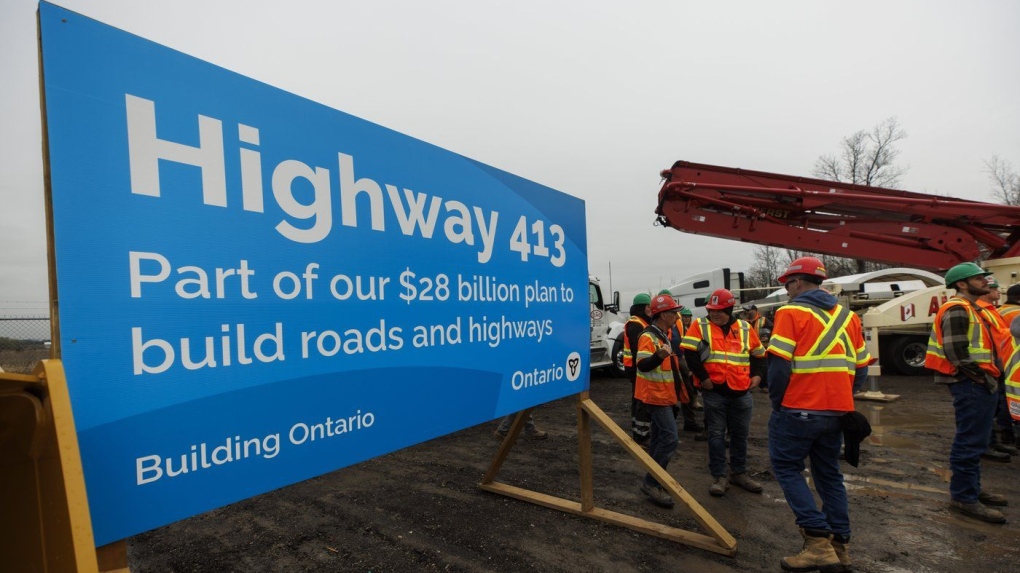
x=906, y=312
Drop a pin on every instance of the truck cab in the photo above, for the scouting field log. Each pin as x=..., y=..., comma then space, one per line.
x=606, y=326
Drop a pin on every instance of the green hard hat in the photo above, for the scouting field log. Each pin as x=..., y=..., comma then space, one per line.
x=642, y=298
x=992, y=281
x=686, y=312
x=665, y=291
x=964, y=271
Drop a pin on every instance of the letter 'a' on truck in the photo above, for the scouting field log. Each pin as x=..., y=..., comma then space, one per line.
x=888, y=226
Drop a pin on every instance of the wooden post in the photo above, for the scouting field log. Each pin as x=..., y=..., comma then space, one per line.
x=718, y=539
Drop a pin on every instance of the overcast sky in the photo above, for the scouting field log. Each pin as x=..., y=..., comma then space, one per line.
x=591, y=98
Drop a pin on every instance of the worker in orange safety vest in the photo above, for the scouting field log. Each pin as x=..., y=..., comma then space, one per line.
x=1013, y=372
x=763, y=328
x=726, y=357
x=817, y=359
x=635, y=325
x=1010, y=311
x=998, y=451
x=962, y=352
x=658, y=378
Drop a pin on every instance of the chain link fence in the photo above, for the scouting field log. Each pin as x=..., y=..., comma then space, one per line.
x=24, y=341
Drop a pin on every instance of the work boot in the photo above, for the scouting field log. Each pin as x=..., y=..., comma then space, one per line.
x=993, y=499
x=842, y=549
x=1005, y=449
x=977, y=510
x=657, y=495
x=817, y=554
x=719, y=486
x=535, y=434
x=743, y=480
x=994, y=456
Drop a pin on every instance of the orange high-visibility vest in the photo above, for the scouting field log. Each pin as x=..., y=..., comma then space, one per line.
x=655, y=387
x=1009, y=311
x=726, y=357
x=980, y=346
x=758, y=324
x=1013, y=382
x=1000, y=332
x=825, y=348
x=628, y=356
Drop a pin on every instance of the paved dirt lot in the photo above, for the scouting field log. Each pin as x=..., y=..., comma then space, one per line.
x=420, y=509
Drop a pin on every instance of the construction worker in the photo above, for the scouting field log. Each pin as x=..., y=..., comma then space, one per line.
x=638, y=321
x=658, y=377
x=998, y=451
x=962, y=353
x=763, y=328
x=758, y=322
x=817, y=360
x=1013, y=369
x=686, y=317
x=727, y=358
x=687, y=379
x=1009, y=311
x=1011, y=308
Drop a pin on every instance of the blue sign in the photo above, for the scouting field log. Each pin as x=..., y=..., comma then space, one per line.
x=256, y=289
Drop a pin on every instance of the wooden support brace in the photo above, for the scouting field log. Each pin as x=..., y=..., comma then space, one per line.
x=718, y=540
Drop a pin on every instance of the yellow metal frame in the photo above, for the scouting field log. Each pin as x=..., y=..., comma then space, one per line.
x=42, y=488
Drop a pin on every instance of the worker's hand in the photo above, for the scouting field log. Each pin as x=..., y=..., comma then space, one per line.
x=755, y=381
x=707, y=385
x=664, y=352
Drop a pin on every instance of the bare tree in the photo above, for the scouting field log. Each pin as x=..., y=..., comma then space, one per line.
x=866, y=157
x=769, y=263
x=1005, y=179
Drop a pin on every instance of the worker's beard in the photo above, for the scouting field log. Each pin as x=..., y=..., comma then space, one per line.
x=977, y=291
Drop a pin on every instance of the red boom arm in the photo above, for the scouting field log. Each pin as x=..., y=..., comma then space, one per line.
x=840, y=219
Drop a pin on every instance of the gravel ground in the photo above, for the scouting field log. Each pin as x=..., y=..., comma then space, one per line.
x=420, y=509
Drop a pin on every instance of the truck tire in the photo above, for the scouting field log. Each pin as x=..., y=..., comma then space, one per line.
x=906, y=355
x=618, y=369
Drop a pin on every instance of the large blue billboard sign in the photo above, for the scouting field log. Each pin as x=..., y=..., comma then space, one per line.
x=256, y=289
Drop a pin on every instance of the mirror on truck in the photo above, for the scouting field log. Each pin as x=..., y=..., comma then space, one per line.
x=615, y=307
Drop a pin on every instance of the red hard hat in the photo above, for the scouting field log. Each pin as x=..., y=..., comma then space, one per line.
x=661, y=303
x=720, y=299
x=804, y=266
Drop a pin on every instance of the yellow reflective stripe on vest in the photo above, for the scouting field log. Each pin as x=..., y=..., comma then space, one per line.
x=819, y=357
x=742, y=358
x=975, y=333
x=628, y=356
x=833, y=327
x=782, y=346
x=658, y=375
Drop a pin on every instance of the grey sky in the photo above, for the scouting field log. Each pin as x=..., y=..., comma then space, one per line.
x=593, y=98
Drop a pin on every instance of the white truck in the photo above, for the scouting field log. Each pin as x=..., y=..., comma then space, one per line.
x=606, y=328
x=896, y=306
x=692, y=293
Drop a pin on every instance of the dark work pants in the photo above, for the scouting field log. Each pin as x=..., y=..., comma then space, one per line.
x=640, y=422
